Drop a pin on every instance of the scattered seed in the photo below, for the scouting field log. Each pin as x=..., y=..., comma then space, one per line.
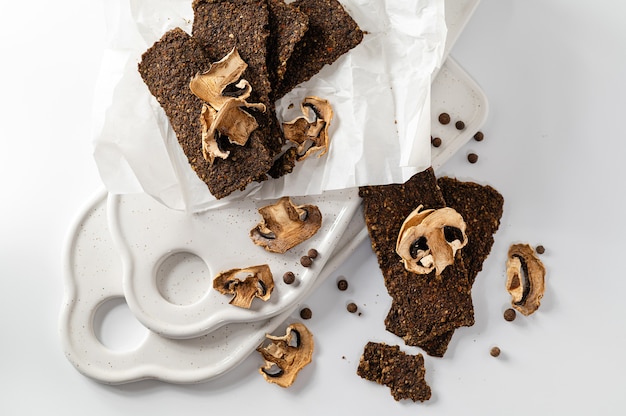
x=472, y=158
x=312, y=253
x=444, y=118
x=479, y=136
x=540, y=249
x=306, y=261
x=306, y=313
x=289, y=278
x=495, y=351
x=342, y=284
x=436, y=142
x=352, y=308
x=510, y=314
x=459, y=125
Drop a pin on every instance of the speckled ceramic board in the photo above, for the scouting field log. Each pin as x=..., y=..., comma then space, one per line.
x=94, y=278
x=153, y=238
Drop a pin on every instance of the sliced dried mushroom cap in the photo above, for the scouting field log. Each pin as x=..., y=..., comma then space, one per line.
x=310, y=132
x=210, y=147
x=231, y=122
x=429, y=239
x=285, y=225
x=211, y=85
x=286, y=355
x=225, y=115
x=245, y=284
x=525, y=278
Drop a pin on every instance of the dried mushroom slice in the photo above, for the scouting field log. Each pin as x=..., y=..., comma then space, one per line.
x=310, y=132
x=429, y=239
x=286, y=355
x=525, y=278
x=210, y=86
x=245, y=284
x=225, y=115
x=285, y=225
x=231, y=122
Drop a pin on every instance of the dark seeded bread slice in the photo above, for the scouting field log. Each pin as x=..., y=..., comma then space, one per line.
x=424, y=307
x=481, y=207
x=166, y=68
x=287, y=26
x=221, y=25
x=331, y=33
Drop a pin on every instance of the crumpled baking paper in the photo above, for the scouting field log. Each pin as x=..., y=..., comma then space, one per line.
x=380, y=93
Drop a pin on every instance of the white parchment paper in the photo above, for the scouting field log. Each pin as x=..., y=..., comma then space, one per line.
x=380, y=93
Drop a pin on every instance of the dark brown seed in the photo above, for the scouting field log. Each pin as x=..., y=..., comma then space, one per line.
x=436, y=142
x=312, y=253
x=352, y=307
x=495, y=351
x=306, y=313
x=510, y=314
x=306, y=261
x=444, y=118
x=459, y=125
x=540, y=249
x=472, y=158
x=289, y=278
x=479, y=136
x=342, y=284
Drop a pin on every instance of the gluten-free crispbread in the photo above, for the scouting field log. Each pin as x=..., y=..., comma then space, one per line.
x=266, y=34
x=426, y=309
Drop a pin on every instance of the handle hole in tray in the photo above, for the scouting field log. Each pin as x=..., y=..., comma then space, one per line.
x=183, y=278
x=116, y=327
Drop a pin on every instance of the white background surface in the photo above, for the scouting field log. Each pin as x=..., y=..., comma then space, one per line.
x=553, y=72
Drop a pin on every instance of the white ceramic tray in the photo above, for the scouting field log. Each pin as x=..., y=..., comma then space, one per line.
x=155, y=242
x=94, y=272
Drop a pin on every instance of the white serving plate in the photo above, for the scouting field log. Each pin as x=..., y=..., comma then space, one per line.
x=93, y=278
x=156, y=242
x=95, y=271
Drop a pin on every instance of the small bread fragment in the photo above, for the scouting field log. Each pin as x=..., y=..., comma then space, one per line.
x=404, y=374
